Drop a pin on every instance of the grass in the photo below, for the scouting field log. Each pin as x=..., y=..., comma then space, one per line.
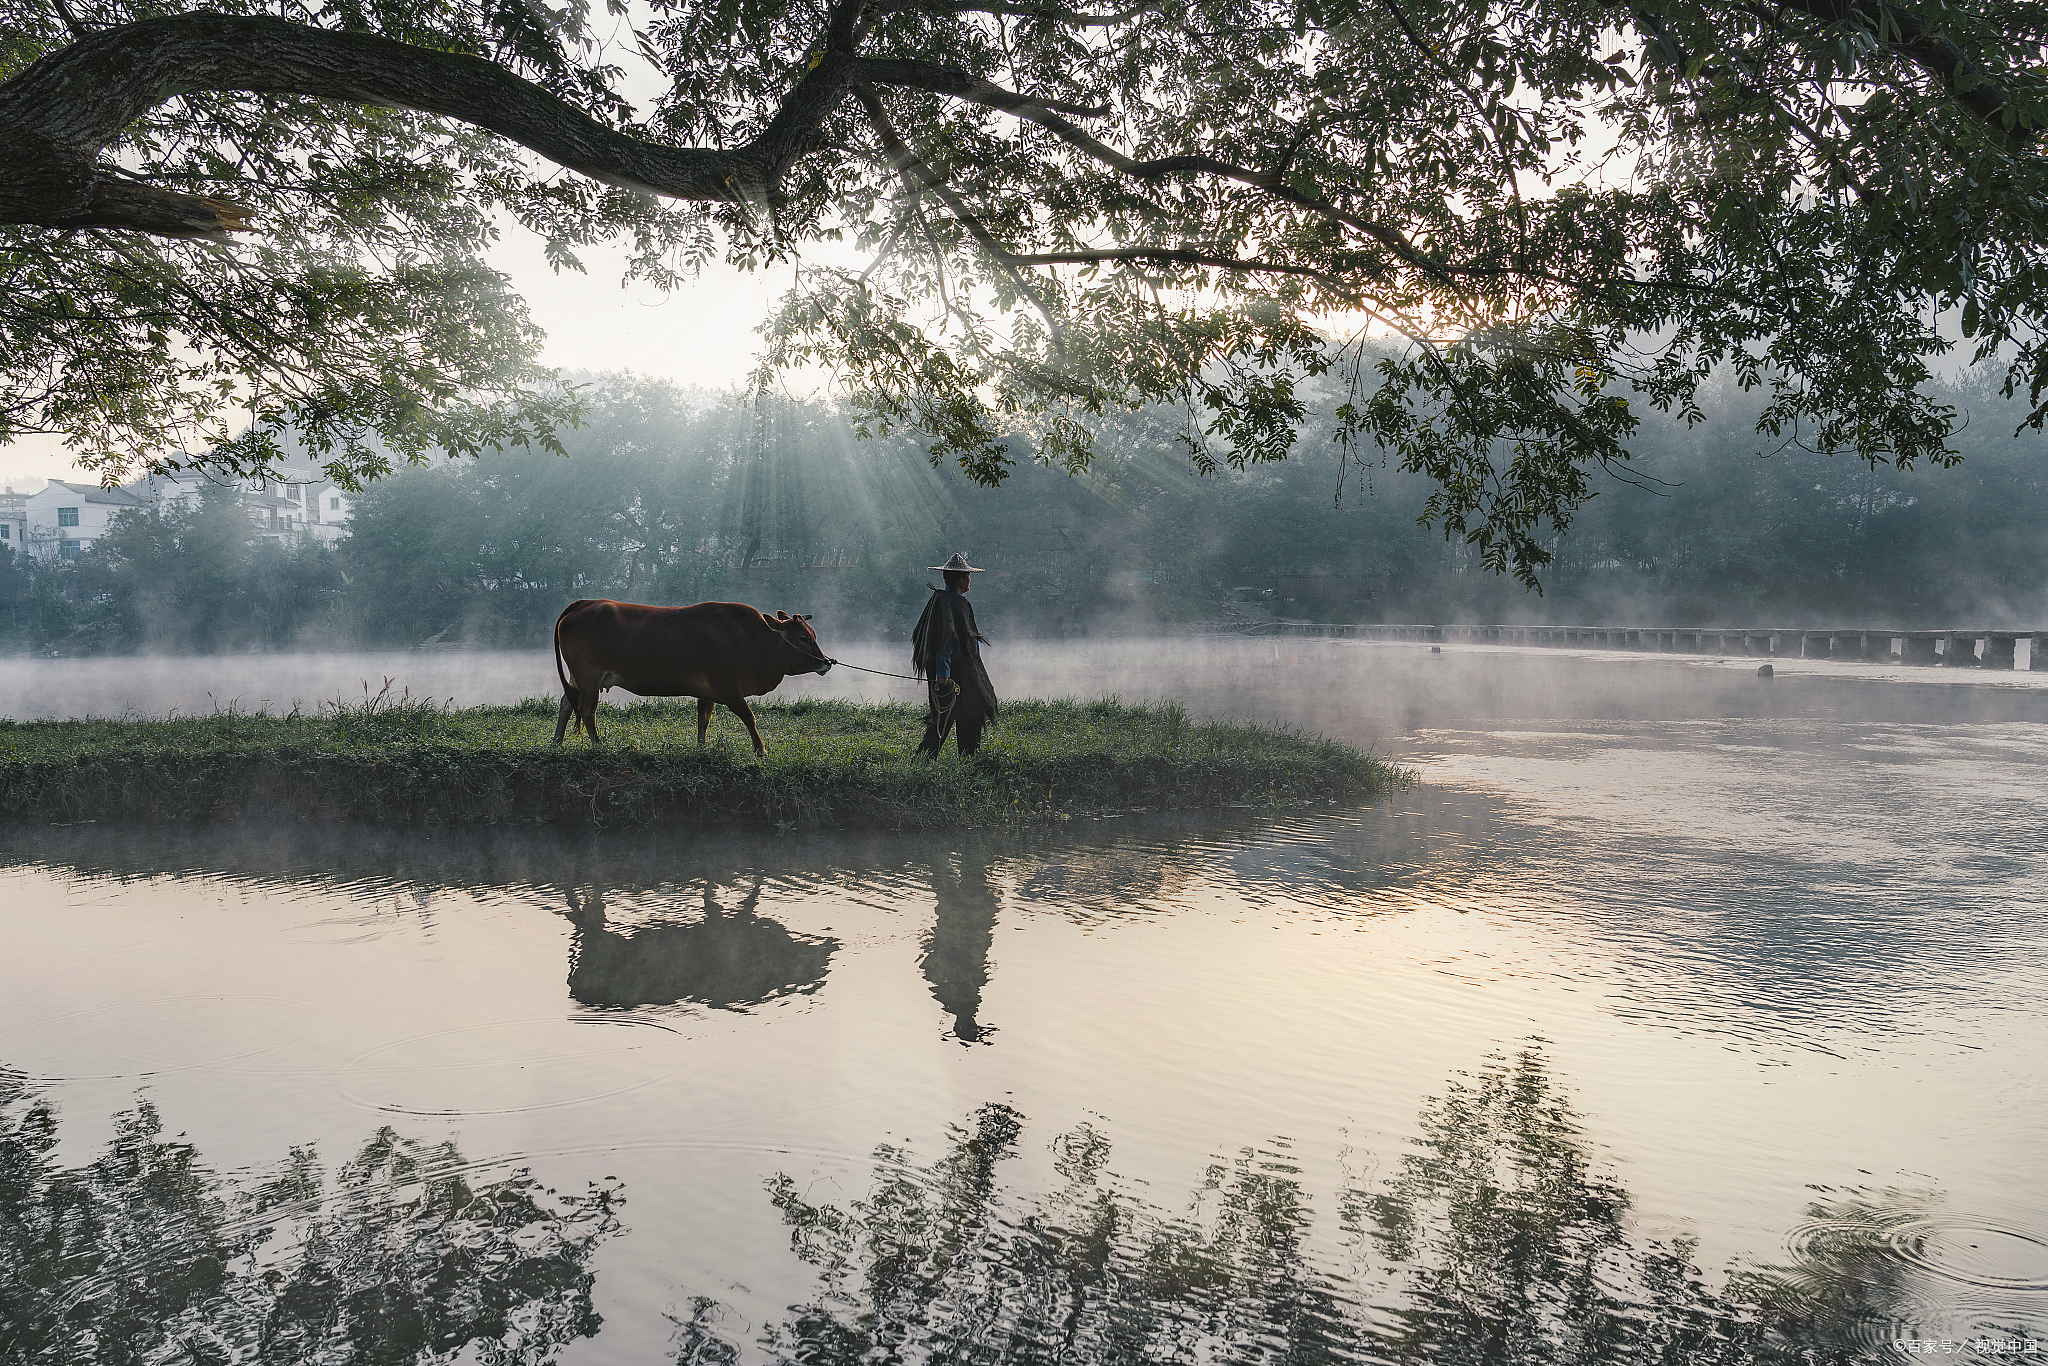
x=830, y=764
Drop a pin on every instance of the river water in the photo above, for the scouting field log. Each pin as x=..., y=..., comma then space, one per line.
x=1677, y=1015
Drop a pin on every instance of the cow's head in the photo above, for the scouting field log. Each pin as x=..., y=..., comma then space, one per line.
x=796, y=633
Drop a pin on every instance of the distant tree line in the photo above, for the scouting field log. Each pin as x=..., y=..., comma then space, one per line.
x=673, y=496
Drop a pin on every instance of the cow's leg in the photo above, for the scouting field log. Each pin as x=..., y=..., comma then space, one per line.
x=738, y=707
x=704, y=709
x=587, y=690
x=567, y=710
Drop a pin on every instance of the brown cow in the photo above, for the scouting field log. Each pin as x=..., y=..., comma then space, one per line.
x=716, y=652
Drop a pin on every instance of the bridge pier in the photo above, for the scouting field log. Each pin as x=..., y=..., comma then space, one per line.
x=1918, y=647
x=1998, y=652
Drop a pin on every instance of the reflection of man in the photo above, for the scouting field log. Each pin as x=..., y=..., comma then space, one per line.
x=956, y=956
x=945, y=649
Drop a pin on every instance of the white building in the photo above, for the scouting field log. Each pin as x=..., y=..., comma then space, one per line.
x=302, y=501
x=13, y=520
x=65, y=518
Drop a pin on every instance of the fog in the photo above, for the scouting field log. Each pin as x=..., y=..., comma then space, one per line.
x=672, y=496
x=1373, y=693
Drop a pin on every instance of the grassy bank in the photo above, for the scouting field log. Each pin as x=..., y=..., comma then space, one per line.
x=829, y=764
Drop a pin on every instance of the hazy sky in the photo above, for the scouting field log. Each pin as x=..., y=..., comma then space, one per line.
x=702, y=334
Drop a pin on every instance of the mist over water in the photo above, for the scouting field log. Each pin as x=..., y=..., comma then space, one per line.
x=1677, y=1015
x=1359, y=691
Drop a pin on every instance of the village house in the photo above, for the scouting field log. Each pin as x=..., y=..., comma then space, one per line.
x=302, y=501
x=13, y=519
x=66, y=517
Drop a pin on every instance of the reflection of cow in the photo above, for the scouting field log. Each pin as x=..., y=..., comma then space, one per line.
x=717, y=652
x=728, y=959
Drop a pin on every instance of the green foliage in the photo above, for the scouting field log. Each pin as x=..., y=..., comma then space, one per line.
x=184, y=579
x=381, y=718
x=361, y=320
x=672, y=498
x=666, y=500
x=662, y=503
x=1565, y=214
x=828, y=763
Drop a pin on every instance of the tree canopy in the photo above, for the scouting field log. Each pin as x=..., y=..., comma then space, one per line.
x=1563, y=213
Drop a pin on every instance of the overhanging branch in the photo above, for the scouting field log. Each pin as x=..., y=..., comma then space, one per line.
x=1902, y=31
x=76, y=101
x=1059, y=14
x=939, y=79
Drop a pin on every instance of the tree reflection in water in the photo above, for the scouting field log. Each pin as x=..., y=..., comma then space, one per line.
x=146, y=1256
x=1494, y=1240
x=728, y=959
x=1875, y=1268
x=1511, y=1248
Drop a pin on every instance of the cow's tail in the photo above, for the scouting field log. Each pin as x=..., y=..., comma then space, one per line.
x=561, y=672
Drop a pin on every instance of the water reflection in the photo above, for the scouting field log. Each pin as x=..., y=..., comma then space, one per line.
x=726, y=959
x=1511, y=1246
x=1496, y=1239
x=1875, y=1267
x=1738, y=929
x=1235, y=964
x=146, y=1255
x=956, y=953
x=652, y=927
x=1112, y=868
x=1497, y=1236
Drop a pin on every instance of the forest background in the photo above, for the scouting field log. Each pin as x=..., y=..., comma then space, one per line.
x=675, y=496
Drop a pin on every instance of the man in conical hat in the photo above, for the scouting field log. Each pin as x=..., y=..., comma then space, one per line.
x=945, y=650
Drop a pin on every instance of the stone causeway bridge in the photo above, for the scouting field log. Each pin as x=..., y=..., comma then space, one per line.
x=1958, y=649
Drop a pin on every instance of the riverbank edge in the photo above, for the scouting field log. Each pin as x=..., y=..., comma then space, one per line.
x=422, y=774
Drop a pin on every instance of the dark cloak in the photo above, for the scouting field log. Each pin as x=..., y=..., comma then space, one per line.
x=948, y=623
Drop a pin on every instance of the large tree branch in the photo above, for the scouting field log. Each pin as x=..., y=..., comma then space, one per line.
x=1057, y=13
x=1899, y=30
x=946, y=80
x=1179, y=256
x=919, y=176
x=1904, y=32
x=67, y=107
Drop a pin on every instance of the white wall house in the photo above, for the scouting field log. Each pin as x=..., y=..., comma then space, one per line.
x=13, y=520
x=301, y=502
x=65, y=518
